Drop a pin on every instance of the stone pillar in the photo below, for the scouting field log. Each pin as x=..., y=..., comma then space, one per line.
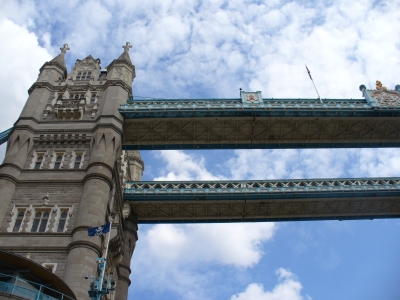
x=136, y=165
x=84, y=250
x=124, y=270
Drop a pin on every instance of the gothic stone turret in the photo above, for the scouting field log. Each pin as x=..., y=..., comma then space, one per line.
x=64, y=171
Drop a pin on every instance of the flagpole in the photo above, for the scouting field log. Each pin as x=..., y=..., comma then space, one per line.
x=106, y=252
x=309, y=74
x=96, y=290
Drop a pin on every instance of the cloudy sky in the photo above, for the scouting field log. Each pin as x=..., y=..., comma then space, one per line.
x=210, y=49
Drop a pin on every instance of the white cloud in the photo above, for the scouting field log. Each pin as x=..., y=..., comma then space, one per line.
x=182, y=166
x=314, y=163
x=229, y=244
x=20, y=61
x=184, y=259
x=211, y=48
x=280, y=164
x=288, y=288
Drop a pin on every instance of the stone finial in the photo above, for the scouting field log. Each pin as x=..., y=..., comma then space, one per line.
x=59, y=60
x=64, y=48
x=126, y=47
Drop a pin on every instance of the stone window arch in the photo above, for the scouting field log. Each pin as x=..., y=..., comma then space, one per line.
x=78, y=160
x=19, y=220
x=62, y=221
x=38, y=162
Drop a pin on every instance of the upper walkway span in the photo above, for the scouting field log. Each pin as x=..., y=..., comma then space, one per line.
x=254, y=122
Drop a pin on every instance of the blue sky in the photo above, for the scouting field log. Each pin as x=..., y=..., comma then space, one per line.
x=210, y=49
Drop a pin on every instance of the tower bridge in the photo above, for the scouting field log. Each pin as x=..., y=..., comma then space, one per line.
x=72, y=163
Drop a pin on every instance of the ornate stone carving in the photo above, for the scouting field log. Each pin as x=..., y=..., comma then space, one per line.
x=126, y=210
x=386, y=98
x=73, y=105
x=46, y=199
x=251, y=97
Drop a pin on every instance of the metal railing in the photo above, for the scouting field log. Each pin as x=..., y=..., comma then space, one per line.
x=28, y=289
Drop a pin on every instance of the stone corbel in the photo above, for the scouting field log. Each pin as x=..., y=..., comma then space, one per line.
x=126, y=210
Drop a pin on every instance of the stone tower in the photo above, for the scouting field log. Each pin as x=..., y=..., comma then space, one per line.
x=64, y=171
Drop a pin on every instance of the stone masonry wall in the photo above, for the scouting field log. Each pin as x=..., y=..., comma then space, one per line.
x=59, y=195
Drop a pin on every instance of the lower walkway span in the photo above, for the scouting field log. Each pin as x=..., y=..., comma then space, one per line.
x=267, y=200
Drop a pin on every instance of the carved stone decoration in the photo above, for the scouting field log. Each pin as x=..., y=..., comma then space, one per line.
x=126, y=210
x=251, y=97
x=73, y=105
x=46, y=199
x=386, y=98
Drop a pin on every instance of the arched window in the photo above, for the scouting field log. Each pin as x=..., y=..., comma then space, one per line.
x=38, y=162
x=18, y=220
x=57, y=164
x=40, y=221
x=93, y=98
x=77, y=162
x=62, y=221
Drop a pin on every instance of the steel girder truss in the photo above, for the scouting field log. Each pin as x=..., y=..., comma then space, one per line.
x=272, y=200
x=262, y=132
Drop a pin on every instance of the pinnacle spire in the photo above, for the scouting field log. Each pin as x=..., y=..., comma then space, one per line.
x=59, y=59
x=125, y=55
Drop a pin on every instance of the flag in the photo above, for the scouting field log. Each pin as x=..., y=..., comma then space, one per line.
x=308, y=71
x=99, y=230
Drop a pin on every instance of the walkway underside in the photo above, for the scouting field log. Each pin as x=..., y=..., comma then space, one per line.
x=252, y=201
x=262, y=132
